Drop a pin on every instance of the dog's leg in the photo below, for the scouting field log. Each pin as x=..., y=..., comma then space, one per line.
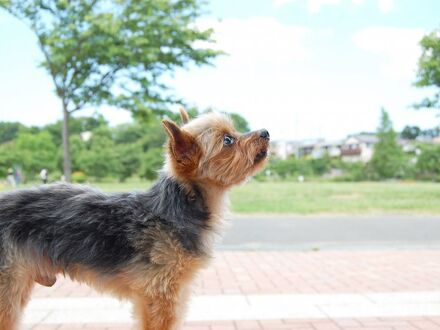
x=15, y=291
x=158, y=313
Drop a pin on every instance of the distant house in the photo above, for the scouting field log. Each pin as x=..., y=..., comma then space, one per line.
x=358, y=147
x=354, y=148
x=308, y=147
x=330, y=148
x=284, y=149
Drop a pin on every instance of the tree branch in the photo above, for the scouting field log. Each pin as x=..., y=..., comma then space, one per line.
x=45, y=7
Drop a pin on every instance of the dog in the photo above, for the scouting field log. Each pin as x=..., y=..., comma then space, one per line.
x=142, y=246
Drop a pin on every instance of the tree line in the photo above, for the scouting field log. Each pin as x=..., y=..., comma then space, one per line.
x=135, y=149
x=389, y=161
x=98, y=151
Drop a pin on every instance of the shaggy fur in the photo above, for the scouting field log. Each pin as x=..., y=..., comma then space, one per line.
x=143, y=246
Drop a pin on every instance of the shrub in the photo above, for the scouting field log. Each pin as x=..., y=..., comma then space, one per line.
x=152, y=161
x=356, y=171
x=428, y=163
x=79, y=177
x=388, y=159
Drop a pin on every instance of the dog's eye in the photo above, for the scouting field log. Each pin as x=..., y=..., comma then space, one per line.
x=228, y=140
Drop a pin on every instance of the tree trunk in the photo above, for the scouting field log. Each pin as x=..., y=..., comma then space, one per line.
x=67, y=166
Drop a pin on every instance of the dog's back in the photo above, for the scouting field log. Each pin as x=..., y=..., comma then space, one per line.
x=72, y=224
x=67, y=224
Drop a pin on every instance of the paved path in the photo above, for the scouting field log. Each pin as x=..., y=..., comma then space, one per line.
x=331, y=232
x=326, y=290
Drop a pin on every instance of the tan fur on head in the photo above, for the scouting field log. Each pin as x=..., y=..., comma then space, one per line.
x=184, y=115
x=212, y=161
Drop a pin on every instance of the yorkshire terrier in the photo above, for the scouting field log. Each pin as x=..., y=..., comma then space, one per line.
x=143, y=246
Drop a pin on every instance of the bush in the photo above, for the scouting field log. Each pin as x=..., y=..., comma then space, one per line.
x=283, y=168
x=79, y=177
x=428, y=163
x=99, y=160
x=36, y=151
x=129, y=160
x=293, y=167
x=356, y=171
x=8, y=158
x=321, y=166
x=388, y=159
x=152, y=161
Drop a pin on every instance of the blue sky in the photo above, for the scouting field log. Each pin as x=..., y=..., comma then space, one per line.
x=300, y=68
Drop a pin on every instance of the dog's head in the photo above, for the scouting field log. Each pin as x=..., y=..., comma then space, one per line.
x=208, y=149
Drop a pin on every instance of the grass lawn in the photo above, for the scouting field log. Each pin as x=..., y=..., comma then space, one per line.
x=323, y=197
x=329, y=197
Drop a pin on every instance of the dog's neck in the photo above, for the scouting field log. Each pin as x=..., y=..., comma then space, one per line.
x=215, y=196
x=209, y=200
x=216, y=199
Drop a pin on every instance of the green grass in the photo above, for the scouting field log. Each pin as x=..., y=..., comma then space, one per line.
x=329, y=197
x=322, y=197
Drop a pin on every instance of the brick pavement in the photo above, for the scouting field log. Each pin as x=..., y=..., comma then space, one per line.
x=262, y=273
x=414, y=323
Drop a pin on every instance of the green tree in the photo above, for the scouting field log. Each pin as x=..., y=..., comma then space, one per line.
x=9, y=131
x=113, y=52
x=129, y=133
x=77, y=125
x=428, y=163
x=152, y=161
x=428, y=73
x=9, y=156
x=283, y=168
x=36, y=151
x=322, y=165
x=99, y=160
x=432, y=132
x=77, y=148
x=240, y=123
x=388, y=158
x=152, y=144
x=129, y=159
x=410, y=132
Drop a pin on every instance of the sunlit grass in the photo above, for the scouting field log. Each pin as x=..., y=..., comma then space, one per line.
x=321, y=197
x=329, y=197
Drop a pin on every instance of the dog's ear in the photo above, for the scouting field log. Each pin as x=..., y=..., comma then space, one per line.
x=184, y=115
x=182, y=144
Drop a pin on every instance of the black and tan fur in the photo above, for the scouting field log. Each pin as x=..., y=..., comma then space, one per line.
x=142, y=246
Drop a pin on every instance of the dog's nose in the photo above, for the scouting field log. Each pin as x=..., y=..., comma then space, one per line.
x=264, y=134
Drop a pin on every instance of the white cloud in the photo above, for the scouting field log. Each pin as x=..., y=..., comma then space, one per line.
x=313, y=6
x=256, y=79
x=358, y=2
x=385, y=6
x=258, y=40
x=399, y=48
x=280, y=3
x=276, y=81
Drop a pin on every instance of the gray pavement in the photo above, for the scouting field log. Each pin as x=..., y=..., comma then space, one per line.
x=331, y=232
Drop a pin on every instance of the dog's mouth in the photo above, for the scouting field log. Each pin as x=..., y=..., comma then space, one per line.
x=260, y=156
